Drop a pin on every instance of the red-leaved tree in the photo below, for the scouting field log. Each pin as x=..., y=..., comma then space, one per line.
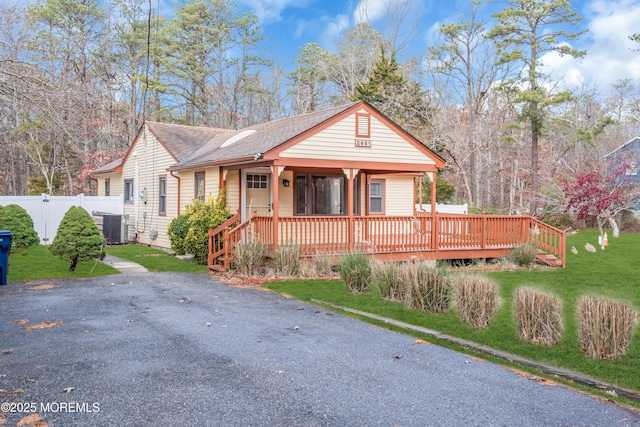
x=602, y=196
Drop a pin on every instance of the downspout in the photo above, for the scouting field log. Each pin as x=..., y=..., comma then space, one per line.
x=179, y=186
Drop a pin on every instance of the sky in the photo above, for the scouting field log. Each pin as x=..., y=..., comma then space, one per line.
x=289, y=24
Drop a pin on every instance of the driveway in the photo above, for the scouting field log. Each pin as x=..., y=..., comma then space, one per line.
x=166, y=349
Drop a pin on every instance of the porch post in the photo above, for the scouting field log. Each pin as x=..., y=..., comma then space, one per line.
x=275, y=178
x=433, y=193
x=350, y=228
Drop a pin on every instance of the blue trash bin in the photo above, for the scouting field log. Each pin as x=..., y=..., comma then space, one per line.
x=5, y=247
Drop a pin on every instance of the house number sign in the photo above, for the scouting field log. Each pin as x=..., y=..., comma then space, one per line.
x=363, y=143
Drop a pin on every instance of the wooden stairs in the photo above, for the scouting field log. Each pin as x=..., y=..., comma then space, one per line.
x=548, y=259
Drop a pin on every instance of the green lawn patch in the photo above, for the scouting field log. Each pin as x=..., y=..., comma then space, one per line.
x=613, y=273
x=37, y=262
x=155, y=260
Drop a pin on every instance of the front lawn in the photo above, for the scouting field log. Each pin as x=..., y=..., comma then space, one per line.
x=613, y=273
x=37, y=262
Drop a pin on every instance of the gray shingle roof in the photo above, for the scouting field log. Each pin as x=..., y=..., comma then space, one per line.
x=182, y=140
x=266, y=136
x=109, y=167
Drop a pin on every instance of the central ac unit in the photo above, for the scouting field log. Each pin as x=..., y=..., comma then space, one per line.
x=115, y=229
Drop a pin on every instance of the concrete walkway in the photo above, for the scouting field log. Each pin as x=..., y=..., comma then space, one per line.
x=123, y=265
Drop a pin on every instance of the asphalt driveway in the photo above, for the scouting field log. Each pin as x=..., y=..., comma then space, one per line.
x=166, y=349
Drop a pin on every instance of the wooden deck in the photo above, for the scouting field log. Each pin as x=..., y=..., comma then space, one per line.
x=429, y=237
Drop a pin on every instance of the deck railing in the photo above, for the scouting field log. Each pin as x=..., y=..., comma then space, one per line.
x=439, y=234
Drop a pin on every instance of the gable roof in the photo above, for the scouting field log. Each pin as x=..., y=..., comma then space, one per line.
x=631, y=141
x=254, y=141
x=195, y=146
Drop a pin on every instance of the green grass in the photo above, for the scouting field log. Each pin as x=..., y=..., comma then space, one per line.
x=155, y=260
x=613, y=273
x=36, y=262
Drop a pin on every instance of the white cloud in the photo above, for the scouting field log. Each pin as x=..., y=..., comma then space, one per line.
x=610, y=54
x=269, y=11
x=370, y=10
x=334, y=28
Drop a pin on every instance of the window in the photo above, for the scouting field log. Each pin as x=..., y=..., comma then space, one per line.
x=128, y=191
x=376, y=196
x=257, y=181
x=162, y=193
x=107, y=187
x=199, y=186
x=363, y=125
x=321, y=195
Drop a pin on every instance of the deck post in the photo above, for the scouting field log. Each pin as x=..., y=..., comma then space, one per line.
x=434, y=231
x=483, y=239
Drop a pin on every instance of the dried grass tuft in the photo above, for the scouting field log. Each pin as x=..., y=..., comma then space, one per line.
x=605, y=327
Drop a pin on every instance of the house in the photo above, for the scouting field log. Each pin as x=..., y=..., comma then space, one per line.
x=333, y=180
x=628, y=156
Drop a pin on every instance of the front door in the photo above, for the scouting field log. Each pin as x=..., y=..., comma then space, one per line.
x=257, y=194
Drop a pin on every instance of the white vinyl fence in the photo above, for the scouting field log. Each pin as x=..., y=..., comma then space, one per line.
x=441, y=208
x=47, y=211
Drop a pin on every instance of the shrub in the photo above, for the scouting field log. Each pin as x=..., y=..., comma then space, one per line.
x=629, y=223
x=287, y=259
x=523, y=254
x=177, y=231
x=78, y=238
x=563, y=221
x=605, y=327
x=538, y=316
x=385, y=276
x=477, y=298
x=190, y=234
x=426, y=288
x=355, y=270
x=248, y=256
x=15, y=219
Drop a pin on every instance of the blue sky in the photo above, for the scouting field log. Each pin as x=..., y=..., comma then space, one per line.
x=289, y=24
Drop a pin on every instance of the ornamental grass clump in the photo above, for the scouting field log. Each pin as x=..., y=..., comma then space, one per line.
x=248, y=256
x=605, y=327
x=355, y=271
x=287, y=259
x=523, y=254
x=477, y=299
x=78, y=238
x=385, y=275
x=426, y=288
x=538, y=316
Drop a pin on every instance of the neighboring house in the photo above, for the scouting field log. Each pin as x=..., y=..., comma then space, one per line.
x=328, y=181
x=629, y=153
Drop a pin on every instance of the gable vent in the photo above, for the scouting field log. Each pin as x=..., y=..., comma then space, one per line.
x=363, y=125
